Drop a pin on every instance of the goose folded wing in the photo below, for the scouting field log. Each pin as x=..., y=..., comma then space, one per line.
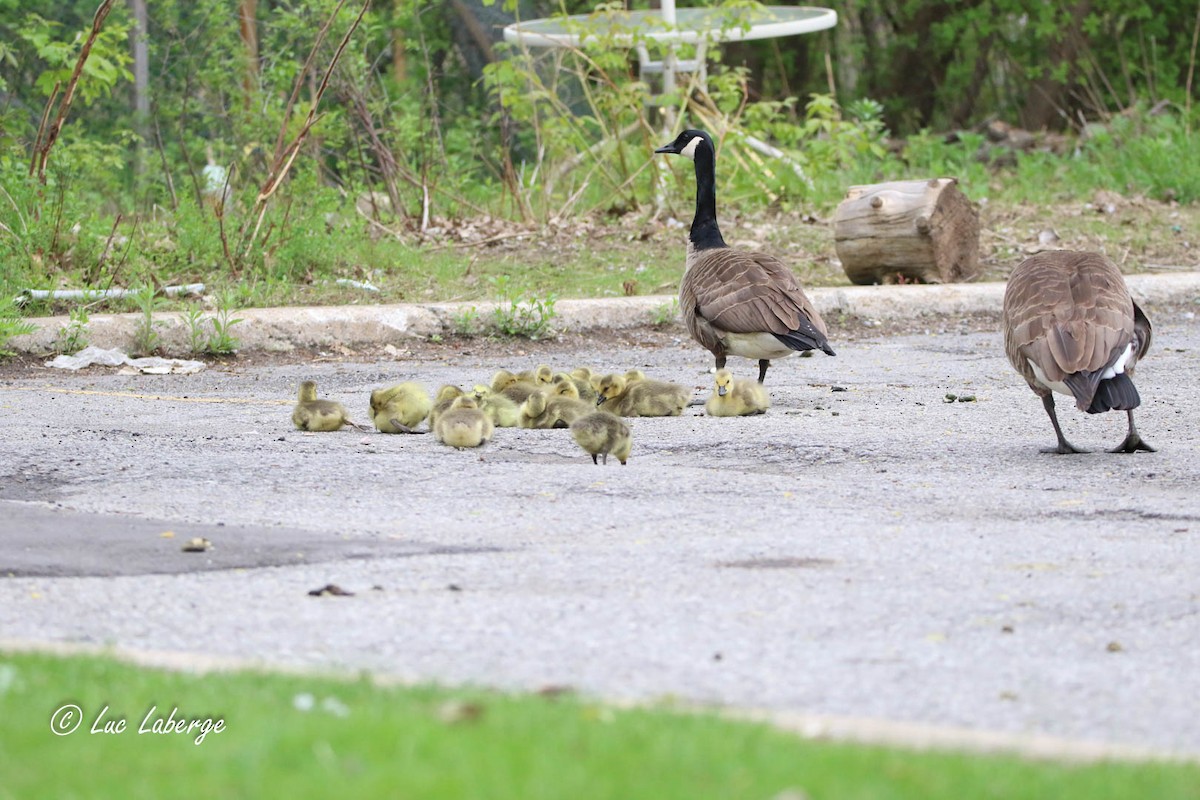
x=754, y=293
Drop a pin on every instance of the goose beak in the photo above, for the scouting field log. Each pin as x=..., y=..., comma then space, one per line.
x=721, y=391
x=600, y=399
x=667, y=148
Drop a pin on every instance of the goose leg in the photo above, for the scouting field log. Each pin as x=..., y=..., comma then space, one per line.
x=721, y=361
x=401, y=426
x=762, y=369
x=1064, y=446
x=1133, y=441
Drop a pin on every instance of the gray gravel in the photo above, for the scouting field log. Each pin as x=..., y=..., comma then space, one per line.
x=875, y=552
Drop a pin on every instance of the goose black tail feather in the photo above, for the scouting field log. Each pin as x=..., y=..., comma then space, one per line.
x=806, y=340
x=1117, y=393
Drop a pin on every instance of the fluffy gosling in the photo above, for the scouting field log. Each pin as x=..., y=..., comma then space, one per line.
x=463, y=424
x=400, y=408
x=600, y=433
x=642, y=398
x=441, y=404
x=503, y=413
x=311, y=414
x=732, y=397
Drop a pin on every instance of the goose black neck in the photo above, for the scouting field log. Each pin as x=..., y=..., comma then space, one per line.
x=705, y=235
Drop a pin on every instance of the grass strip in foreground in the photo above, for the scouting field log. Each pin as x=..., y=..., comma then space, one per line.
x=299, y=737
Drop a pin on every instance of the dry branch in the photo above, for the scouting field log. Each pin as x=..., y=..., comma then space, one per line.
x=42, y=148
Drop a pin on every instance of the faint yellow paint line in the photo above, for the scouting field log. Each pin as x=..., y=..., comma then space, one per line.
x=135, y=396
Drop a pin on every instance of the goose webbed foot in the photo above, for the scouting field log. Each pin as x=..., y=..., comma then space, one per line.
x=1133, y=440
x=1063, y=448
x=402, y=427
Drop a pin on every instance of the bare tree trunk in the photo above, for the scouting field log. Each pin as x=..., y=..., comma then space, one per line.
x=141, y=80
x=247, y=10
x=1046, y=98
x=399, y=54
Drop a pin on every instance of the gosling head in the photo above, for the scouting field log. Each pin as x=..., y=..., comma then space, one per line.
x=724, y=382
x=564, y=386
x=535, y=404
x=464, y=401
x=543, y=374
x=686, y=144
x=448, y=392
x=609, y=386
x=502, y=380
x=308, y=391
x=480, y=392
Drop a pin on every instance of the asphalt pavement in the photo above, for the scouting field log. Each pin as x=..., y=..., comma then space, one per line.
x=887, y=543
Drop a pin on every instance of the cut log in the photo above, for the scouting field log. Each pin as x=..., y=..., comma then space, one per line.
x=919, y=231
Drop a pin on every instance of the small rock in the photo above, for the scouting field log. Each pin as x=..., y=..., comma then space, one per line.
x=197, y=544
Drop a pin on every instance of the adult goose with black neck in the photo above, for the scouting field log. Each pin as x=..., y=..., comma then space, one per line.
x=735, y=302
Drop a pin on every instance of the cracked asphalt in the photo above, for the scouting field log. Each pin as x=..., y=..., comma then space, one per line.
x=878, y=552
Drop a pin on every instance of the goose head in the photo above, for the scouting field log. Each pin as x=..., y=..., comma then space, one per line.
x=608, y=387
x=308, y=391
x=724, y=382
x=685, y=144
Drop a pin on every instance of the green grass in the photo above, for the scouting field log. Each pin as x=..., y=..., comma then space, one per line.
x=358, y=740
x=67, y=234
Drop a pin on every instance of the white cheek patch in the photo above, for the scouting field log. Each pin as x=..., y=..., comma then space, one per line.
x=690, y=150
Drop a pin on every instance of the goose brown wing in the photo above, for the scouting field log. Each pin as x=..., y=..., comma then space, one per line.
x=743, y=292
x=1069, y=313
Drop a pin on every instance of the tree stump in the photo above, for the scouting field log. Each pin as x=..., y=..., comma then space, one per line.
x=919, y=231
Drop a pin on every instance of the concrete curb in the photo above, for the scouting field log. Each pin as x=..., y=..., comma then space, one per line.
x=820, y=727
x=365, y=326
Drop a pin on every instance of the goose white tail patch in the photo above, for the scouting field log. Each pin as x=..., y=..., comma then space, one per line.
x=1119, y=365
x=1054, y=386
x=690, y=149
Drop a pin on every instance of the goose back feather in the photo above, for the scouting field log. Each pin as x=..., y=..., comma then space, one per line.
x=1071, y=326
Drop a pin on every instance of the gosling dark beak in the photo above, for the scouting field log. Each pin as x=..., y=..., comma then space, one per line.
x=600, y=399
x=668, y=148
x=721, y=391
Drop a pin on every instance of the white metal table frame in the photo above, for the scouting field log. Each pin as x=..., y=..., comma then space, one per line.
x=695, y=26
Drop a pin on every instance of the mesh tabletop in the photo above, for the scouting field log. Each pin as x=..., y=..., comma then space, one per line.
x=692, y=25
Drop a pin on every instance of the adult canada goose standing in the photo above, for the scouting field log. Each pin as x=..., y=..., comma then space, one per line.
x=735, y=302
x=1071, y=327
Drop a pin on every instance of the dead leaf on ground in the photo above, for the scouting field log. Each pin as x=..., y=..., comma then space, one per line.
x=330, y=590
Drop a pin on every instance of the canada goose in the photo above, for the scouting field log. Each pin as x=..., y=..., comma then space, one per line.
x=541, y=375
x=463, y=424
x=535, y=411
x=566, y=409
x=736, y=398
x=601, y=433
x=583, y=390
x=311, y=414
x=644, y=398
x=503, y=412
x=445, y=396
x=738, y=303
x=512, y=386
x=1071, y=327
x=564, y=386
x=400, y=408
